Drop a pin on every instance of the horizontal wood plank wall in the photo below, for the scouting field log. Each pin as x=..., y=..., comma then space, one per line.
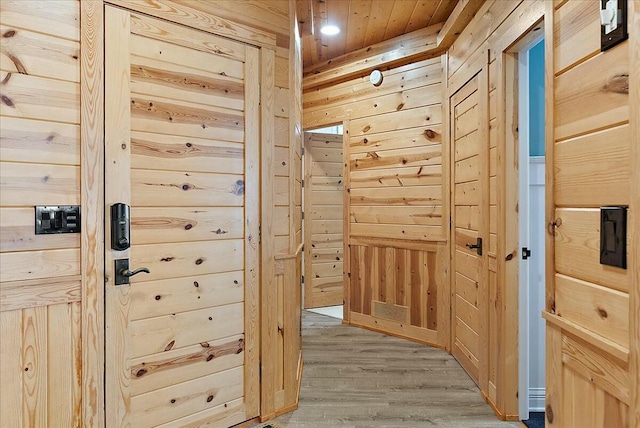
x=493, y=30
x=588, y=317
x=282, y=220
x=40, y=283
x=396, y=251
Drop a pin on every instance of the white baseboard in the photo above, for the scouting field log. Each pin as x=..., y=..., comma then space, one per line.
x=536, y=399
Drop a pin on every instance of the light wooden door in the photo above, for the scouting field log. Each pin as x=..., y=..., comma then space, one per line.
x=323, y=220
x=182, y=148
x=469, y=224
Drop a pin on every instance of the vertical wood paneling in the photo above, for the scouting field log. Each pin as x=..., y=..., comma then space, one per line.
x=34, y=358
x=11, y=369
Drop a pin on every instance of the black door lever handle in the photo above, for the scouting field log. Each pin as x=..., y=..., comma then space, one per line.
x=129, y=274
x=122, y=272
x=477, y=246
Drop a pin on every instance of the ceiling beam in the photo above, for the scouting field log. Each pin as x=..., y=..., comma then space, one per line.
x=457, y=21
x=304, y=14
x=419, y=44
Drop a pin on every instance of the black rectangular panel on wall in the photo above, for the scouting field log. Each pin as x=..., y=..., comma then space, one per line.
x=57, y=219
x=613, y=236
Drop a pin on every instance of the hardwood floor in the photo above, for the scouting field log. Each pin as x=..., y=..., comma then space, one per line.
x=361, y=379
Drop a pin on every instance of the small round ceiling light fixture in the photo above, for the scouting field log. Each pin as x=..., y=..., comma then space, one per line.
x=329, y=30
x=375, y=78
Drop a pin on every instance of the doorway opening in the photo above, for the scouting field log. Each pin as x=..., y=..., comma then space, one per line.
x=322, y=225
x=531, y=220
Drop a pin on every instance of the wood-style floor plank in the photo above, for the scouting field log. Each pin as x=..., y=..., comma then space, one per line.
x=362, y=379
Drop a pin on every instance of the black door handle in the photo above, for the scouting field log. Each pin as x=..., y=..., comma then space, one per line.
x=129, y=274
x=122, y=272
x=477, y=246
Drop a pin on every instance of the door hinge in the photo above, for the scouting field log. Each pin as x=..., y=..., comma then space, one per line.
x=302, y=151
x=302, y=279
x=303, y=182
x=259, y=233
x=302, y=215
x=526, y=253
x=450, y=223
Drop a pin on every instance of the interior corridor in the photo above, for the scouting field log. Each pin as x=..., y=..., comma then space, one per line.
x=362, y=379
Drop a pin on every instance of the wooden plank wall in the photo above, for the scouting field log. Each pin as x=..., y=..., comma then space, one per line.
x=281, y=352
x=588, y=330
x=396, y=250
x=483, y=48
x=42, y=356
x=40, y=308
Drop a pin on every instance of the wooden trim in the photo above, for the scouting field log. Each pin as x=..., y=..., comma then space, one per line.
x=413, y=333
x=483, y=231
x=289, y=256
x=508, y=189
x=550, y=207
x=92, y=210
x=346, y=222
x=269, y=317
x=444, y=311
x=308, y=301
x=553, y=371
x=601, y=342
x=252, y=217
x=502, y=221
x=634, y=280
x=294, y=406
x=426, y=245
x=188, y=16
x=417, y=45
x=117, y=137
x=461, y=16
x=500, y=415
x=35, y=293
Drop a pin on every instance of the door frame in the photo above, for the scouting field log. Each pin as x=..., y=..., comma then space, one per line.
x=306, y=219
x=524, y=226
x=92, y=211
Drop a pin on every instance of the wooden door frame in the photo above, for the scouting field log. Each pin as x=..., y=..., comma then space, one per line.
x=92, y=210
x=508, y=206
x=306, y=219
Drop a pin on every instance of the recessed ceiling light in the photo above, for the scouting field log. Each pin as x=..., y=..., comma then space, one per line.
x=329, y=30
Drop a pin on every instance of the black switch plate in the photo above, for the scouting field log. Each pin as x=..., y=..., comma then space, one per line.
x=57, y=219
x=620, y=34
x=613, y=236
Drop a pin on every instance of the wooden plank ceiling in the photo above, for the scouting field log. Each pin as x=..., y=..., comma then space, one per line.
x=362, y=23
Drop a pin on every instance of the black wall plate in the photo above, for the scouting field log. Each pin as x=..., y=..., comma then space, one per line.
x=613, y=236
x=57, y=219
x=620, y=34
